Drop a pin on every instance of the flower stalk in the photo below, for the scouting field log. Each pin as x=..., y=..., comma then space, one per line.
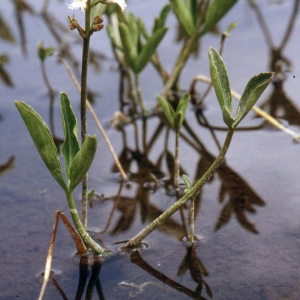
x=83, y=96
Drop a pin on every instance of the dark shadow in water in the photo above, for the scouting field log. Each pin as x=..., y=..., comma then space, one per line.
x=57, y=286
x=190, y=262
x=7, y=166
x=93, y=281
x=88, y=279
x=241, y=198
x=279, y=105
x=238, y=197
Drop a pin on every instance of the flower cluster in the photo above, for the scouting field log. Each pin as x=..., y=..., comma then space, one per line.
x=81, y=4
x=78, y=4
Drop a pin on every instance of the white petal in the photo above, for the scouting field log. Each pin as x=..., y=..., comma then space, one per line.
x=78, y=4
x=121, y=3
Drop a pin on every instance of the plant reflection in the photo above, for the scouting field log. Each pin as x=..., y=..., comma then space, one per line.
x=148, y=176
x=6, y=167
x=57, y=286
x=127, y=208
x=241, y=199
x=279, y=105
x=84, y=275
x=93, y=281
x=190, y=261
x=90, y=267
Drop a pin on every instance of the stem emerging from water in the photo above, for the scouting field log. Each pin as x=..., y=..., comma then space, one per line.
x=135, y=242
x=80, y=228
x=83, y=96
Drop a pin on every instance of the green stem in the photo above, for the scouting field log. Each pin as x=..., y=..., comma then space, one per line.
x=181, y=61
x=139, y=94
x=176, y=160
x=83, y=96
x=80, y=228
x=134, y=242
x=192, y=221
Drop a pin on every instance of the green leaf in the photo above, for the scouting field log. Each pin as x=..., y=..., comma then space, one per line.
x=142, y=28
x=177, y=120
x=230, y=28
x=254, y=88
x=82, y=161
x=216, y=11
x=220, y=81
x=187, y=182
x=160, y=21
x=44, y=52
x=182, y=107
x=134, y=30
x=149, y=49
x=129, y=49
x=167, y=109
x=194, y=9
x=70, y=146
x=42, y=139
x=184, y=16
x=112, y=36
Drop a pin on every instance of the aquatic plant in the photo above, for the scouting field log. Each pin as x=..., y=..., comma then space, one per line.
x=219, y=76
x=136, y=55
x=77, y=160
x=138, y=49
x=175, y=118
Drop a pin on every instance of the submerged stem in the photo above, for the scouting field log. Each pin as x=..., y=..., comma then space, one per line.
x=134, y=242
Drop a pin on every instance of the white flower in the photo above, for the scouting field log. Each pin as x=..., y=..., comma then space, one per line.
x=81, y=4
x=121, y=3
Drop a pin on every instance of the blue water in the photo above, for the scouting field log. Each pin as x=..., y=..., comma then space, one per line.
x=241, y=264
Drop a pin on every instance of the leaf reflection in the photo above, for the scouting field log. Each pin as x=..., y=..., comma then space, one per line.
x=197, y=269
x=5, y=168
x=238, y=197
x=94, y=280
x=139, y=261
x=241, y=199
x=128, y=206
x=278, y=104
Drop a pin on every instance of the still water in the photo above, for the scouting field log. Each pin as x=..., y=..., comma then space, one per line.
x=247, y=216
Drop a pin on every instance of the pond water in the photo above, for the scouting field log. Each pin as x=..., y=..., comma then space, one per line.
x=247, y=215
